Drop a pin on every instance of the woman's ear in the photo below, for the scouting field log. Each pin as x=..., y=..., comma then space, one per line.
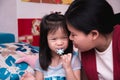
x=94, y=34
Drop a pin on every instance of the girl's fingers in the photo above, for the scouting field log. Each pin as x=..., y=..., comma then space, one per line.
x=66, y=57
x=69, y=55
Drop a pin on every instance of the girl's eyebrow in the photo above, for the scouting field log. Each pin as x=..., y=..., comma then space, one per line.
x=72, y=32
x=51, y=37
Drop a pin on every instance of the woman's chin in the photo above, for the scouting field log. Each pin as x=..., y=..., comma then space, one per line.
x=75, y=46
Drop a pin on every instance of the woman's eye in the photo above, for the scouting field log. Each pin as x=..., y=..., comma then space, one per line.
x=72, y=34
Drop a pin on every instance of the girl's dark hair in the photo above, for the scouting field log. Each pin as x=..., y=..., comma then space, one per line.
x=87, y=15
x=50, y=23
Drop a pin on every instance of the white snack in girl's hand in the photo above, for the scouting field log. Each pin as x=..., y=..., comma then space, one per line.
x=60, y=51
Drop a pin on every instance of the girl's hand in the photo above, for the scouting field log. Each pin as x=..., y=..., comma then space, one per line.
x=27, y=76
x=66, y=61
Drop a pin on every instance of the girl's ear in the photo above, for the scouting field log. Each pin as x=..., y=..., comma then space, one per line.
x=94, y=34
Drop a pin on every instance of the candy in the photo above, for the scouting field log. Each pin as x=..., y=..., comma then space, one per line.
x=60, y=51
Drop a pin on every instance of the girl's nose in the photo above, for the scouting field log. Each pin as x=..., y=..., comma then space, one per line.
x=60, y=42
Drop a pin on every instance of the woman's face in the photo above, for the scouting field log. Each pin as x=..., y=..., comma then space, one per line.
x=80, y=40
x=57, y=40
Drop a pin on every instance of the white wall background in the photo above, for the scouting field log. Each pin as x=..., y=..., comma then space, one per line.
x=8, y=16
x=115, y=5
x=11, y=10
x=37, y=10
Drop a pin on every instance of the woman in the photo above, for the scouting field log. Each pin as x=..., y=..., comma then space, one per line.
x=95, y=33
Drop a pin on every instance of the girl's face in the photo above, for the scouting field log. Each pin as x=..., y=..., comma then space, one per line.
x=80, y=40
x=57, y=40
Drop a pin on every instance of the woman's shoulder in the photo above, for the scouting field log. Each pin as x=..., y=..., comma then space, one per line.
x=117, y=29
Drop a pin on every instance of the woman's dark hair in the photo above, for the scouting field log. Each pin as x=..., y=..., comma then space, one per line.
x=117, y=18
x=87, y=15
x=50, y=23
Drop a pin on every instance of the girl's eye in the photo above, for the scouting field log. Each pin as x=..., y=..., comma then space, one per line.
x=65, y=37
x=53, y=38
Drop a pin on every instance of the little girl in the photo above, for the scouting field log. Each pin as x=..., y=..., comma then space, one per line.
x=54, y=39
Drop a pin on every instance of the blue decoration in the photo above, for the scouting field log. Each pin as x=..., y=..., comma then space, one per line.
x=14, y=71
x=9, y=70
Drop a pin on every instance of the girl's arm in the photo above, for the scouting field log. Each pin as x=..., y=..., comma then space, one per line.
x=70, y=73
x=27, y=76
x=39, y=75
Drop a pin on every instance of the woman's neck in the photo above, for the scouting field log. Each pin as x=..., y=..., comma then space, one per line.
x=104, y=42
